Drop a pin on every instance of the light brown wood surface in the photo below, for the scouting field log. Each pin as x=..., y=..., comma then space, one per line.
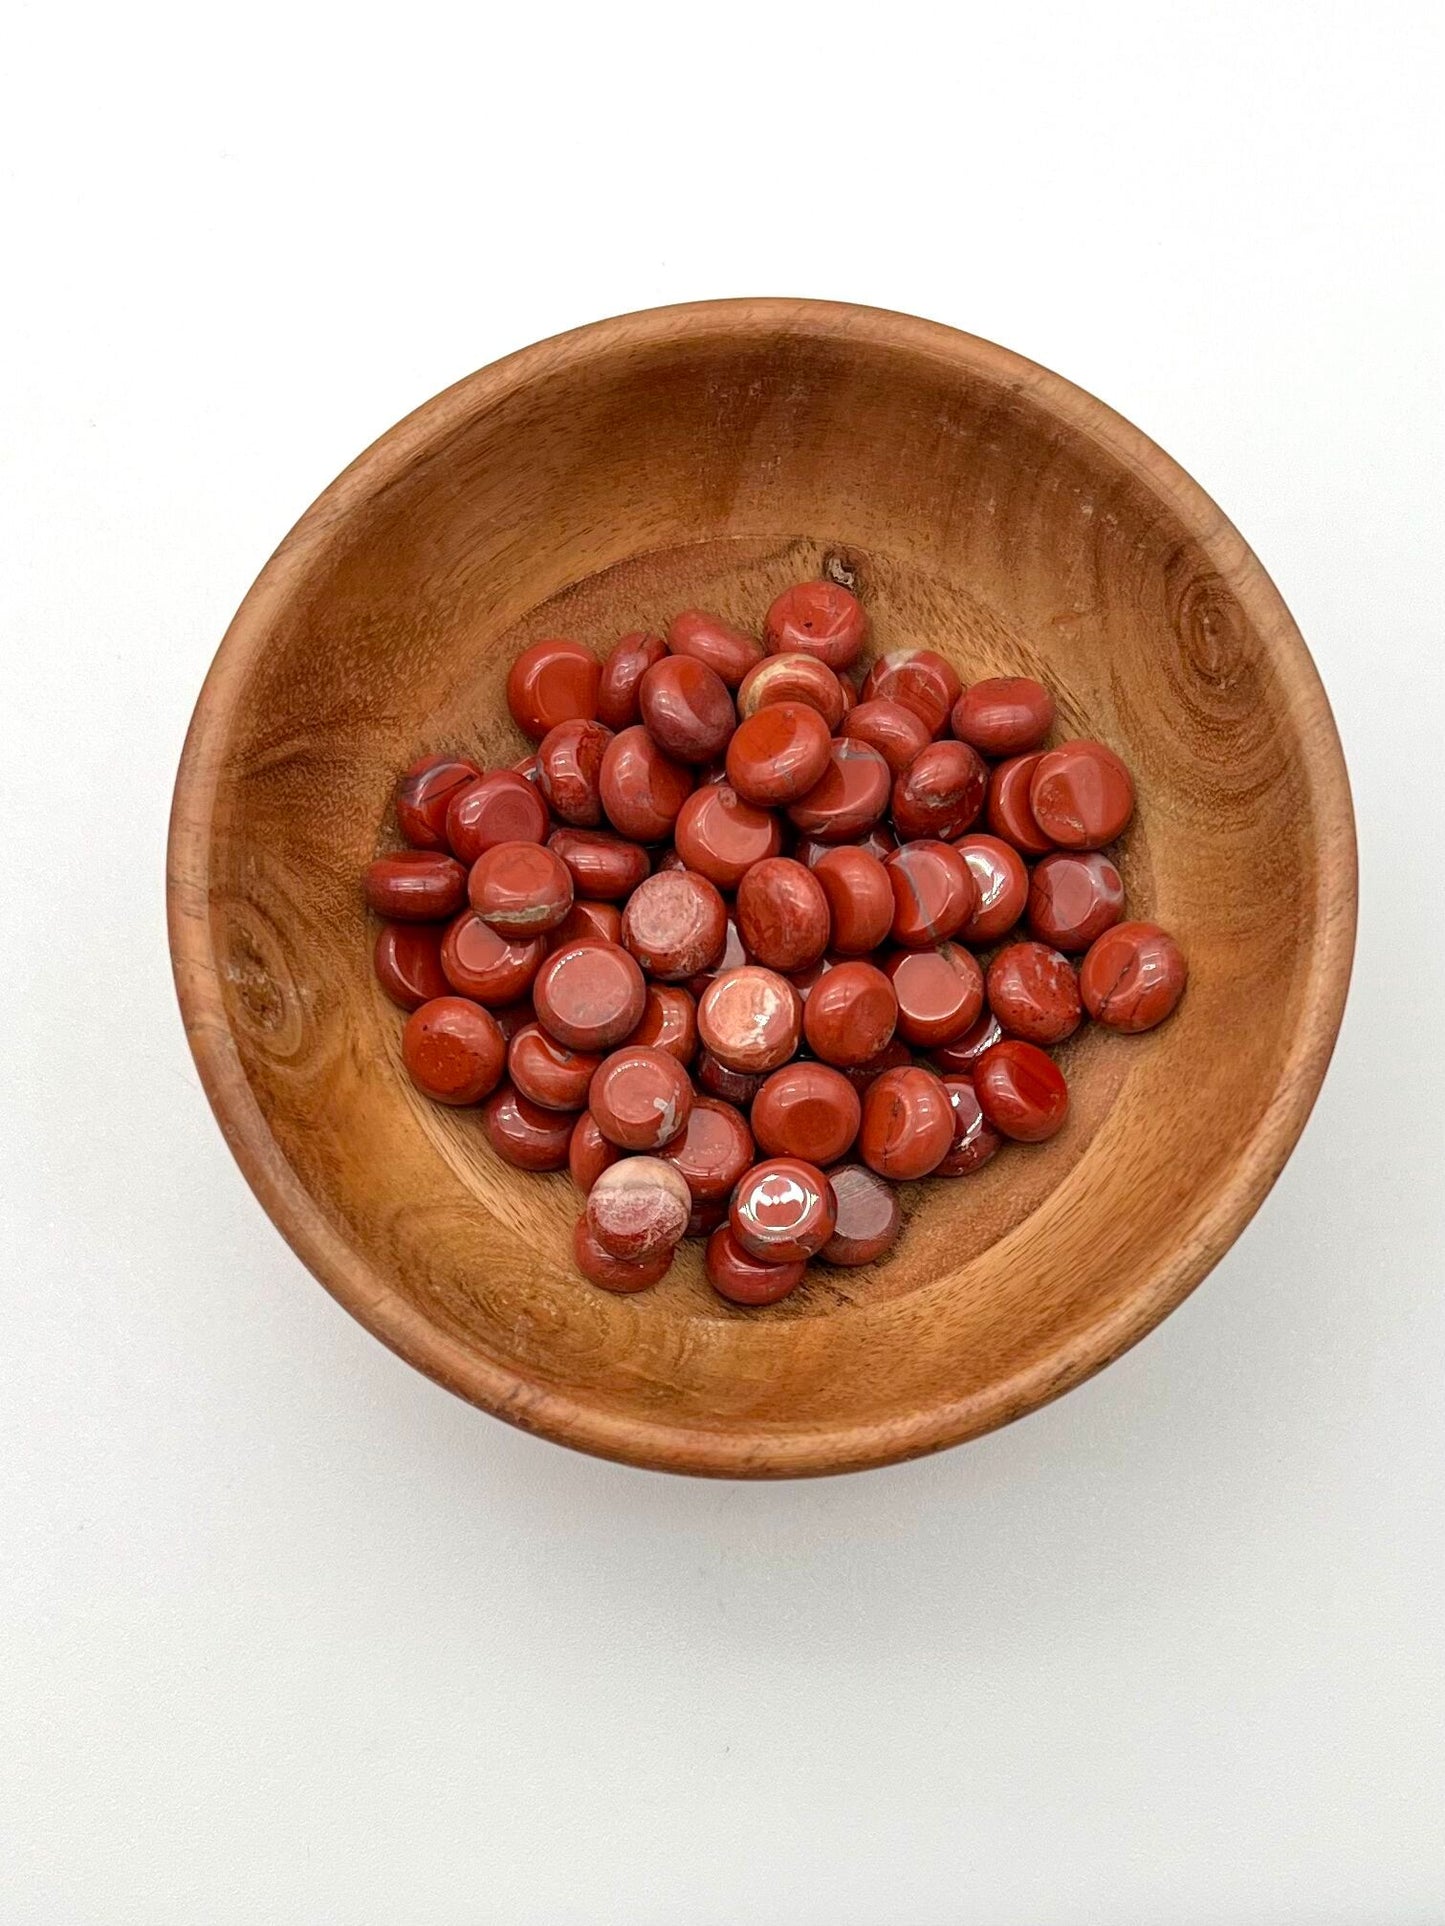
x=710, y=455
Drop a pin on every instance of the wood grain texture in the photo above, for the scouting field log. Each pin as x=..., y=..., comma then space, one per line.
x=711, y=455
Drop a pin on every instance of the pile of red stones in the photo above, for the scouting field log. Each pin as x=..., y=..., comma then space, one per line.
x=694, y=947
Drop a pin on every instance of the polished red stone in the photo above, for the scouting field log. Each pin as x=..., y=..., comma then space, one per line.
x=628, y=661
x=1006, y=715
x=734, y=956
x=502, y=807
x=1008, y=811
x=1034, y=993
x=975, y=1140
x=527, y=767
x=521, y=889
x=750, y=1019
x=939, y=992
x=849, y=796
x=961, y=1056
x=1082, y=796
x=453, y=1050
x=603, y=866
x=642, y=788
x=590, y=996
x=707, y=638
x=940, y=793
x=869, y=1216
x=1001, y=885
x=1074, y=896
x=714, y=1150
x=569, y=771
x=512, y=1017
x=548, y=1072
x=482, y=963
x=821, y=619
x=933, y=893
x=587, y=921
x=415, y=885
x=850, y=1015
x=893, y=1056
x=898, y=733
x=782, y=1210
x=1133, y=977
x=794, y=678
x=551, y=682
x=859, y=896
x=615, y=1273
x=706, y=1217
x=806, y=1110
x=907, y=1126
x=523, y=1134
x=778, y=753
x=687, y=709
x=669, y=1021
x=737, y=1087
x=742, y=1278
x=782, y=914
x=588, y=1152
x=1022, y=1091
x=675, y=924
x=721, y=836
x=640, y=1097
x=918, y=678
x=425, y=792
x=638, y=1208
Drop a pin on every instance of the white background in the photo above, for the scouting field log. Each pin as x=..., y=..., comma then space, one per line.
x=290, y=1635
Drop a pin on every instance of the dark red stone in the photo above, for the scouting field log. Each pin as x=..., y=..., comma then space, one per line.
x=640, y=1097
x=416, y=886
x=675, y=924
x=1008, y=810
x=523, y=1134
x=500, y=808
x=782, y=1210
x=642, y=788
x=750, y=1019
x=869, y=1216
x=551, y=682
x=849, y=796
x=707, y=638
x=521, y=889
x=1133, y=977
x=627, y=663
x=794, y=678
x=778, y=753
x=782, y=914
x=687, y=709
x=939, y=991
x=918, y=678
x=547, y=1072
x=715, y=1148
x=453, y=1050
x=1022, y=1091
x=974, y=1138
x=860, y=898
x=1074, y=896
x=590, y=996
x=898, y=733
x=721, y=836
x=941, y=792
x=933, y=893
x=806, y=1110
x=569, y=771
x=851, y=1014
x=1005, y=715
x=424, y=794
x=821, y=619
x=907, y=1124
x=603, y=866
x=1081, y=794
x=742, y=1278
x=485, y=965
x=1001, y=885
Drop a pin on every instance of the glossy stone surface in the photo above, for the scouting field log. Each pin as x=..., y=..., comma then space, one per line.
x=548, y=1072
x=640, y=1097
x=590, y=996
x=1022, y=1091
x=782, y=1210
x=894, y=1055
x=1006, y=715
x=849, y=796
x=975, y=1140
x=1133, y=977
x=587, y=922
x=918, y=678
x=602, y=865
x=750, y=1019
x=794, y=678
x=941, y=792
x=521, y=889
x=933, y=893
x=806, y=1110
x=523, y=1134
x=737, y=1087
x=527, y=767
x=734, y=956
x=715, y=1148
x=551, y=682
x=628, y=661
x=1081, y=794
x=482, y=963
x=669, y=1021
x=721, y=836
x=569, y=771
x=1034, y=993
x=1008, y=812
x=687, y=709
x=415, y=886
x=423, y=796
x=782, y=914
x=502, y=807
x=821, y=619
x=588, y=1152
x=741, y=1278
x=907, y=1126
x=1001, y=887
x=778, y=753
x=453, y=1050
x=1074, y=896
x=850, y=1015
x=939, y=992
x=642, y=787
x=675, y=924
x=961, y=1056
x=615, y=1273
x=859, y=897
x=707, y=638
x=869, y=1216
x=898, y=733
x=638, y=1208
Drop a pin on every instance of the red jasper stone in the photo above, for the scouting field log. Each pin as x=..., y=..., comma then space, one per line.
x=961, y=1057
x=1073, y=898
x=547, y=1072
x=744, y=1279
x=907, y=1124
x=590, y=996
x=782, y=914
x=587, y=922
x=933, y=893
x=821, y=619
x=552, y=682
x=527, y=767
x=638, y=1208
x=707, y=638
x=849, y=796
x=721, y=836
x=642, y=787
x=706, y=1217
x=1008, y=810
x=1082, y=796
x=869, y=1216
x=1004, y=715
x=453, y=1050
x=782, y=1210
x=521, y=889
x=750, y=1019
x=734, y=956
x=424, y=794
x=794, y=678
x=602, y=865
x=714, y=1150
x=523, y=1134
x=974, y=1138
x=588, y=1152
x=1001, y=885
x=898, y=733
x=859, y=896
x=512, y=1017
x=1133, y=977
x=778, y=753
x=675, y=924
x=850, y=1015
x=806, y=1110
x=487, y=966
x=500, y=808
x=627, y=663
x=941, y=792
x=569, y=771
x=616, y=1273
x=640, y=1097
x=669, y=1021
x=416, y=886
x=1022, y=1092
x=893, y=1056
x=1033, y=992
x=920, y=680
x=737, y=1087
x=939, y=992
x=687, y=709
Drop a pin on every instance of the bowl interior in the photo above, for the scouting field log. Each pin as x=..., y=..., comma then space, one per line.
x=709, y=457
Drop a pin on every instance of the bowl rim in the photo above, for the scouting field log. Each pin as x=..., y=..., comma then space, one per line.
x=507, y=1392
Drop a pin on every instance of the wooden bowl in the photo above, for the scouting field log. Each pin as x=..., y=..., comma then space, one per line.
x=709, y=455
